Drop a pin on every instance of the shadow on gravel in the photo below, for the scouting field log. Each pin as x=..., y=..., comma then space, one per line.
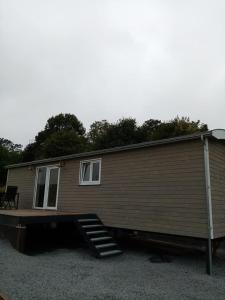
x=159, y=252
x=160, y=258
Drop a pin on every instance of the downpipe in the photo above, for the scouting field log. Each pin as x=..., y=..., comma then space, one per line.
x=209, y=203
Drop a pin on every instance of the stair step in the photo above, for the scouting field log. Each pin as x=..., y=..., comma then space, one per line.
x=96, y=232
x=92, y=226
x=87, y=220
x=112, y=252
x=103, y=238
x=97, y=236
x=105, y=245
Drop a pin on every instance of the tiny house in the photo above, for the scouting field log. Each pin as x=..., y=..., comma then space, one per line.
x=173, y=186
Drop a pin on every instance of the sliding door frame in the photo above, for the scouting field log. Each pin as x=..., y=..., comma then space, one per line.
x=45, y=202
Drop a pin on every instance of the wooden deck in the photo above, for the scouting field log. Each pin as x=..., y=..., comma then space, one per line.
x=19, y=225
x=14, y=222
x=15, y=217
x=34, y=212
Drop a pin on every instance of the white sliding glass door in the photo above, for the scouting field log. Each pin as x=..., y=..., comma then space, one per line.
x=46, y=188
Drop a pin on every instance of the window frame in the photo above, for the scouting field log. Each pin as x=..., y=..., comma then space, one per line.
x=90, y=182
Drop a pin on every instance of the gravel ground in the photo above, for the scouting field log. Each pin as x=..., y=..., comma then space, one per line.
x=74, y=274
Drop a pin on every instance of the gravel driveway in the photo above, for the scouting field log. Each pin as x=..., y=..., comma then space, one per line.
x=74, y=274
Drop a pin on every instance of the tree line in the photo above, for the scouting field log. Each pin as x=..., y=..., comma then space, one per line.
x=64, y=134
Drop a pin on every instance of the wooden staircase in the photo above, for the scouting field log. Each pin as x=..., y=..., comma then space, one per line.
x=97, y=237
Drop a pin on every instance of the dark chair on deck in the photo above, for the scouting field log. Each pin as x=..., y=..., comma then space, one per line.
x=1, y=199
x=9, y=199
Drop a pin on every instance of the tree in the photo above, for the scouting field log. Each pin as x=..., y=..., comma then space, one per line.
x=59, y=123
x=63, y=142
x=30, y=152
x=10, y=153
x=64, y=122
x=97, y=132
x=63, y=134
x=124, y=132
x=177, y=127
x=103, y=134
x=148, y=129
x=106, y=135
x=10, y=146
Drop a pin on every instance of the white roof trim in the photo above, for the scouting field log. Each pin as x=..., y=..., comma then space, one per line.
x=218, y=134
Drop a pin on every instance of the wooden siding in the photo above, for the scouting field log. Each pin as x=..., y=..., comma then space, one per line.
x=24, y=178
x=217, y=172
x=156, y=189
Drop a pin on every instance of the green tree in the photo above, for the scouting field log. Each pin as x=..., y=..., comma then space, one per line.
x=63, y=143
x=124, y=132
x=10, y=146
x=10, y=153
x=103, y=134
x=97, y=132
x=59, y=123
x=63, y=134
x=30, y=152
x=147, y=130
x=106, y=135
x=177, y=127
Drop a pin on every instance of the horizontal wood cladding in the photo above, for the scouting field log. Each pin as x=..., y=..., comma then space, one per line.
x=217, y=172
x=158, y=189
x=24, y=179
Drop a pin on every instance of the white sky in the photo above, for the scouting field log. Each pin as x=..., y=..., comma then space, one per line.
x=110, y=59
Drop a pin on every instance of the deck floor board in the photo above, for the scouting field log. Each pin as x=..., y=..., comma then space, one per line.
x=35, y=213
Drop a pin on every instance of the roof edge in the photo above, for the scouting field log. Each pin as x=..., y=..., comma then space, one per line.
x=216, y=133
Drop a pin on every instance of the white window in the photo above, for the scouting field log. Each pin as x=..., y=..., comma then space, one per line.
x=90, y=172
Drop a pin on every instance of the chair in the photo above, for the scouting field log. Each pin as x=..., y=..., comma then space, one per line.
x=1, y=199
x=10, y=198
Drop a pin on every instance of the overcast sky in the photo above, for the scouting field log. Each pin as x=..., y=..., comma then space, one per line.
x=110, y=59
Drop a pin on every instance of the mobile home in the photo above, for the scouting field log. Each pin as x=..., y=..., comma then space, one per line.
x=172, y=186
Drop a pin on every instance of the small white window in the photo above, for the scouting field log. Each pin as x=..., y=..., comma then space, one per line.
x=90, y=172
